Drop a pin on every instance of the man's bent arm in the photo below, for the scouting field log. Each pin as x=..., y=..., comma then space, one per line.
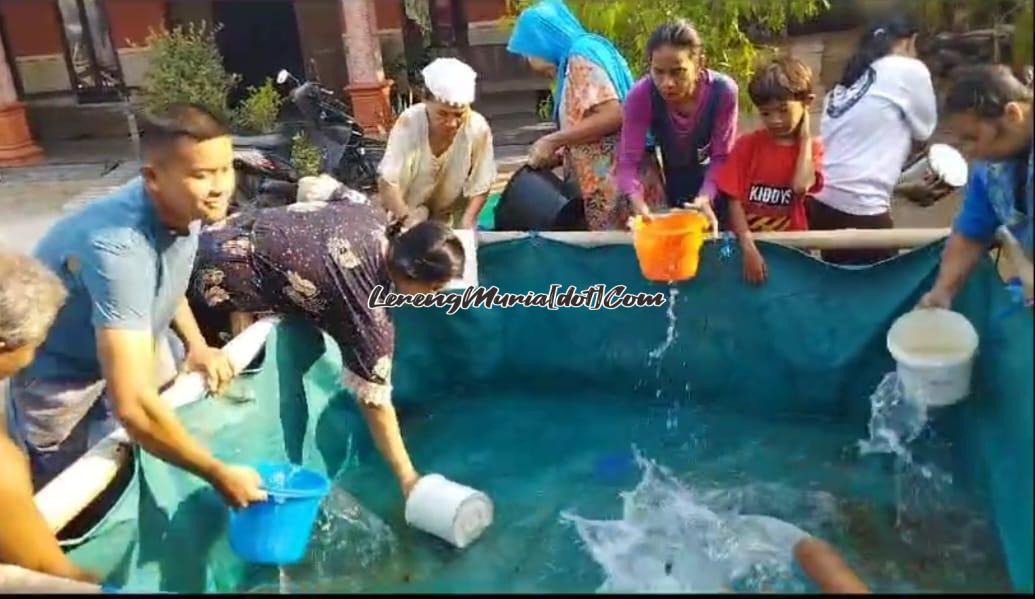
x=127, y=360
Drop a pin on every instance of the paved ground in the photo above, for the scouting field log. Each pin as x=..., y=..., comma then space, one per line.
x=32, y=198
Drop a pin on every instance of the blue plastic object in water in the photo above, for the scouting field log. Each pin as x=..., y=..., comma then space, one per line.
x=615, y=467
x=276, y=531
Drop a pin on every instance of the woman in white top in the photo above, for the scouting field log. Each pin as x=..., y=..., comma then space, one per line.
x=884, y=103
x=439, y=163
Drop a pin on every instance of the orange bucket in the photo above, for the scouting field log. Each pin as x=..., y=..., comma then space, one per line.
x=668, y=246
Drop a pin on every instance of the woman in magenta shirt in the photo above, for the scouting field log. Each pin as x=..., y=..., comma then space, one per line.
x=687, y=111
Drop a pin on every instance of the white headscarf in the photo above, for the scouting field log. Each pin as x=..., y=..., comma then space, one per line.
x=450, y=81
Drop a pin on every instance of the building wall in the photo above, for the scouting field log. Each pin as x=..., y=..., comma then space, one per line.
x=38, y=51
x=33, y=30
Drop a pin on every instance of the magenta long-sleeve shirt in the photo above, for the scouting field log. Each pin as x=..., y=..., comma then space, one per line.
x=636, y=124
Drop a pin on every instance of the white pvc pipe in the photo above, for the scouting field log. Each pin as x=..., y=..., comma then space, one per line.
x=70, y=492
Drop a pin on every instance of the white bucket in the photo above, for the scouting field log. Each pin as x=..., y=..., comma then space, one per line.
x=942, y=162
x=934, y=349
x=452, y=512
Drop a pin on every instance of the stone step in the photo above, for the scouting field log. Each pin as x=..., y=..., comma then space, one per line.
x=512, y=103
x=67, y=120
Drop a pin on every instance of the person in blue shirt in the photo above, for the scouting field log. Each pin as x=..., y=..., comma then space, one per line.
x=991, y=113
x=126, y=261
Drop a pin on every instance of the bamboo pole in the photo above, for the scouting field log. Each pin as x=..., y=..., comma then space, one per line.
x=78, y=485
x=818, y=240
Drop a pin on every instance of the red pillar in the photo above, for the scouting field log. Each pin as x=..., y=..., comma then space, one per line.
x=367, y=87
x=17, y=148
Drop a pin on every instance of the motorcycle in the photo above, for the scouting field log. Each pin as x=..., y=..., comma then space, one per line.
x=265, y=175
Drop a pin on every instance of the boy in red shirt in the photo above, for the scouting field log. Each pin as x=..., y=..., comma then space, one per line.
x=772, y=171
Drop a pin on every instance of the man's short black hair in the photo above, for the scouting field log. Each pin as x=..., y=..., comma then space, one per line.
x=985, y=90
x=160, y=128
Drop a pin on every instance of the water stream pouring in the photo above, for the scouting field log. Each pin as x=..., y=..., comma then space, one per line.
x=276, y=531
x=668, y=246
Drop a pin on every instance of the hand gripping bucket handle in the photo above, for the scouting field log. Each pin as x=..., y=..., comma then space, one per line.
x=277, y=531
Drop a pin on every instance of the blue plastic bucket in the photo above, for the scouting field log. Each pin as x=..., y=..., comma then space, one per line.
x=276, y=531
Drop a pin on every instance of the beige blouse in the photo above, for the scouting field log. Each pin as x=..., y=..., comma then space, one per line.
x=444, y=184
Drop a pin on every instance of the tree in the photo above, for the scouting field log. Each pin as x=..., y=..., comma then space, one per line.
x=723, y=26
x=956, y=15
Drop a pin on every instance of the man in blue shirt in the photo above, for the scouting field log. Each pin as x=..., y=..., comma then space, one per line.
x=126, y=262
x=991, y=112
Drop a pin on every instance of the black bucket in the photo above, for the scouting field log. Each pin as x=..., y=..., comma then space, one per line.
x=536, y=200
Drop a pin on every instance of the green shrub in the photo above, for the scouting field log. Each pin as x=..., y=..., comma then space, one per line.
x=259, y=111
x=186, y=66
x=305, y=156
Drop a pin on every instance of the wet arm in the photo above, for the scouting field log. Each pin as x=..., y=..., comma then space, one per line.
x=960, y=257
x=825, y=567
x=739, y=224
x=127, y=361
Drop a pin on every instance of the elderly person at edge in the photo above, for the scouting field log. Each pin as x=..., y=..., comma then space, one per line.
x=438, y=163
x=991, y=112
x=126, y=261
x=30, y=297
x=592, y=81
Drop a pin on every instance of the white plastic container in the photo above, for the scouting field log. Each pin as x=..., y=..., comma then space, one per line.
x=943, y=162
x=470, y=277
x=935, y=351
x=452, y=512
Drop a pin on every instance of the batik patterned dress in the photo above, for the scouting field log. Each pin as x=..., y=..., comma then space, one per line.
x=316, y=260
x=592, y=165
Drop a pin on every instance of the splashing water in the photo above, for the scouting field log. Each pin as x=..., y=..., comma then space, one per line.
x=673, y=539
x=284, y=582
x=347, y=544
x=896, y=420
x=670, y=334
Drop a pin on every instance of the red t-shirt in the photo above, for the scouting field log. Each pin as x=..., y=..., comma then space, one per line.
x=759, y=173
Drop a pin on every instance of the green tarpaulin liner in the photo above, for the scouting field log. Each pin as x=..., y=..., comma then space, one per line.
x=811, y=341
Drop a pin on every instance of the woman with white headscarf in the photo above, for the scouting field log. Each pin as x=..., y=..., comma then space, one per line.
x=439, y=163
